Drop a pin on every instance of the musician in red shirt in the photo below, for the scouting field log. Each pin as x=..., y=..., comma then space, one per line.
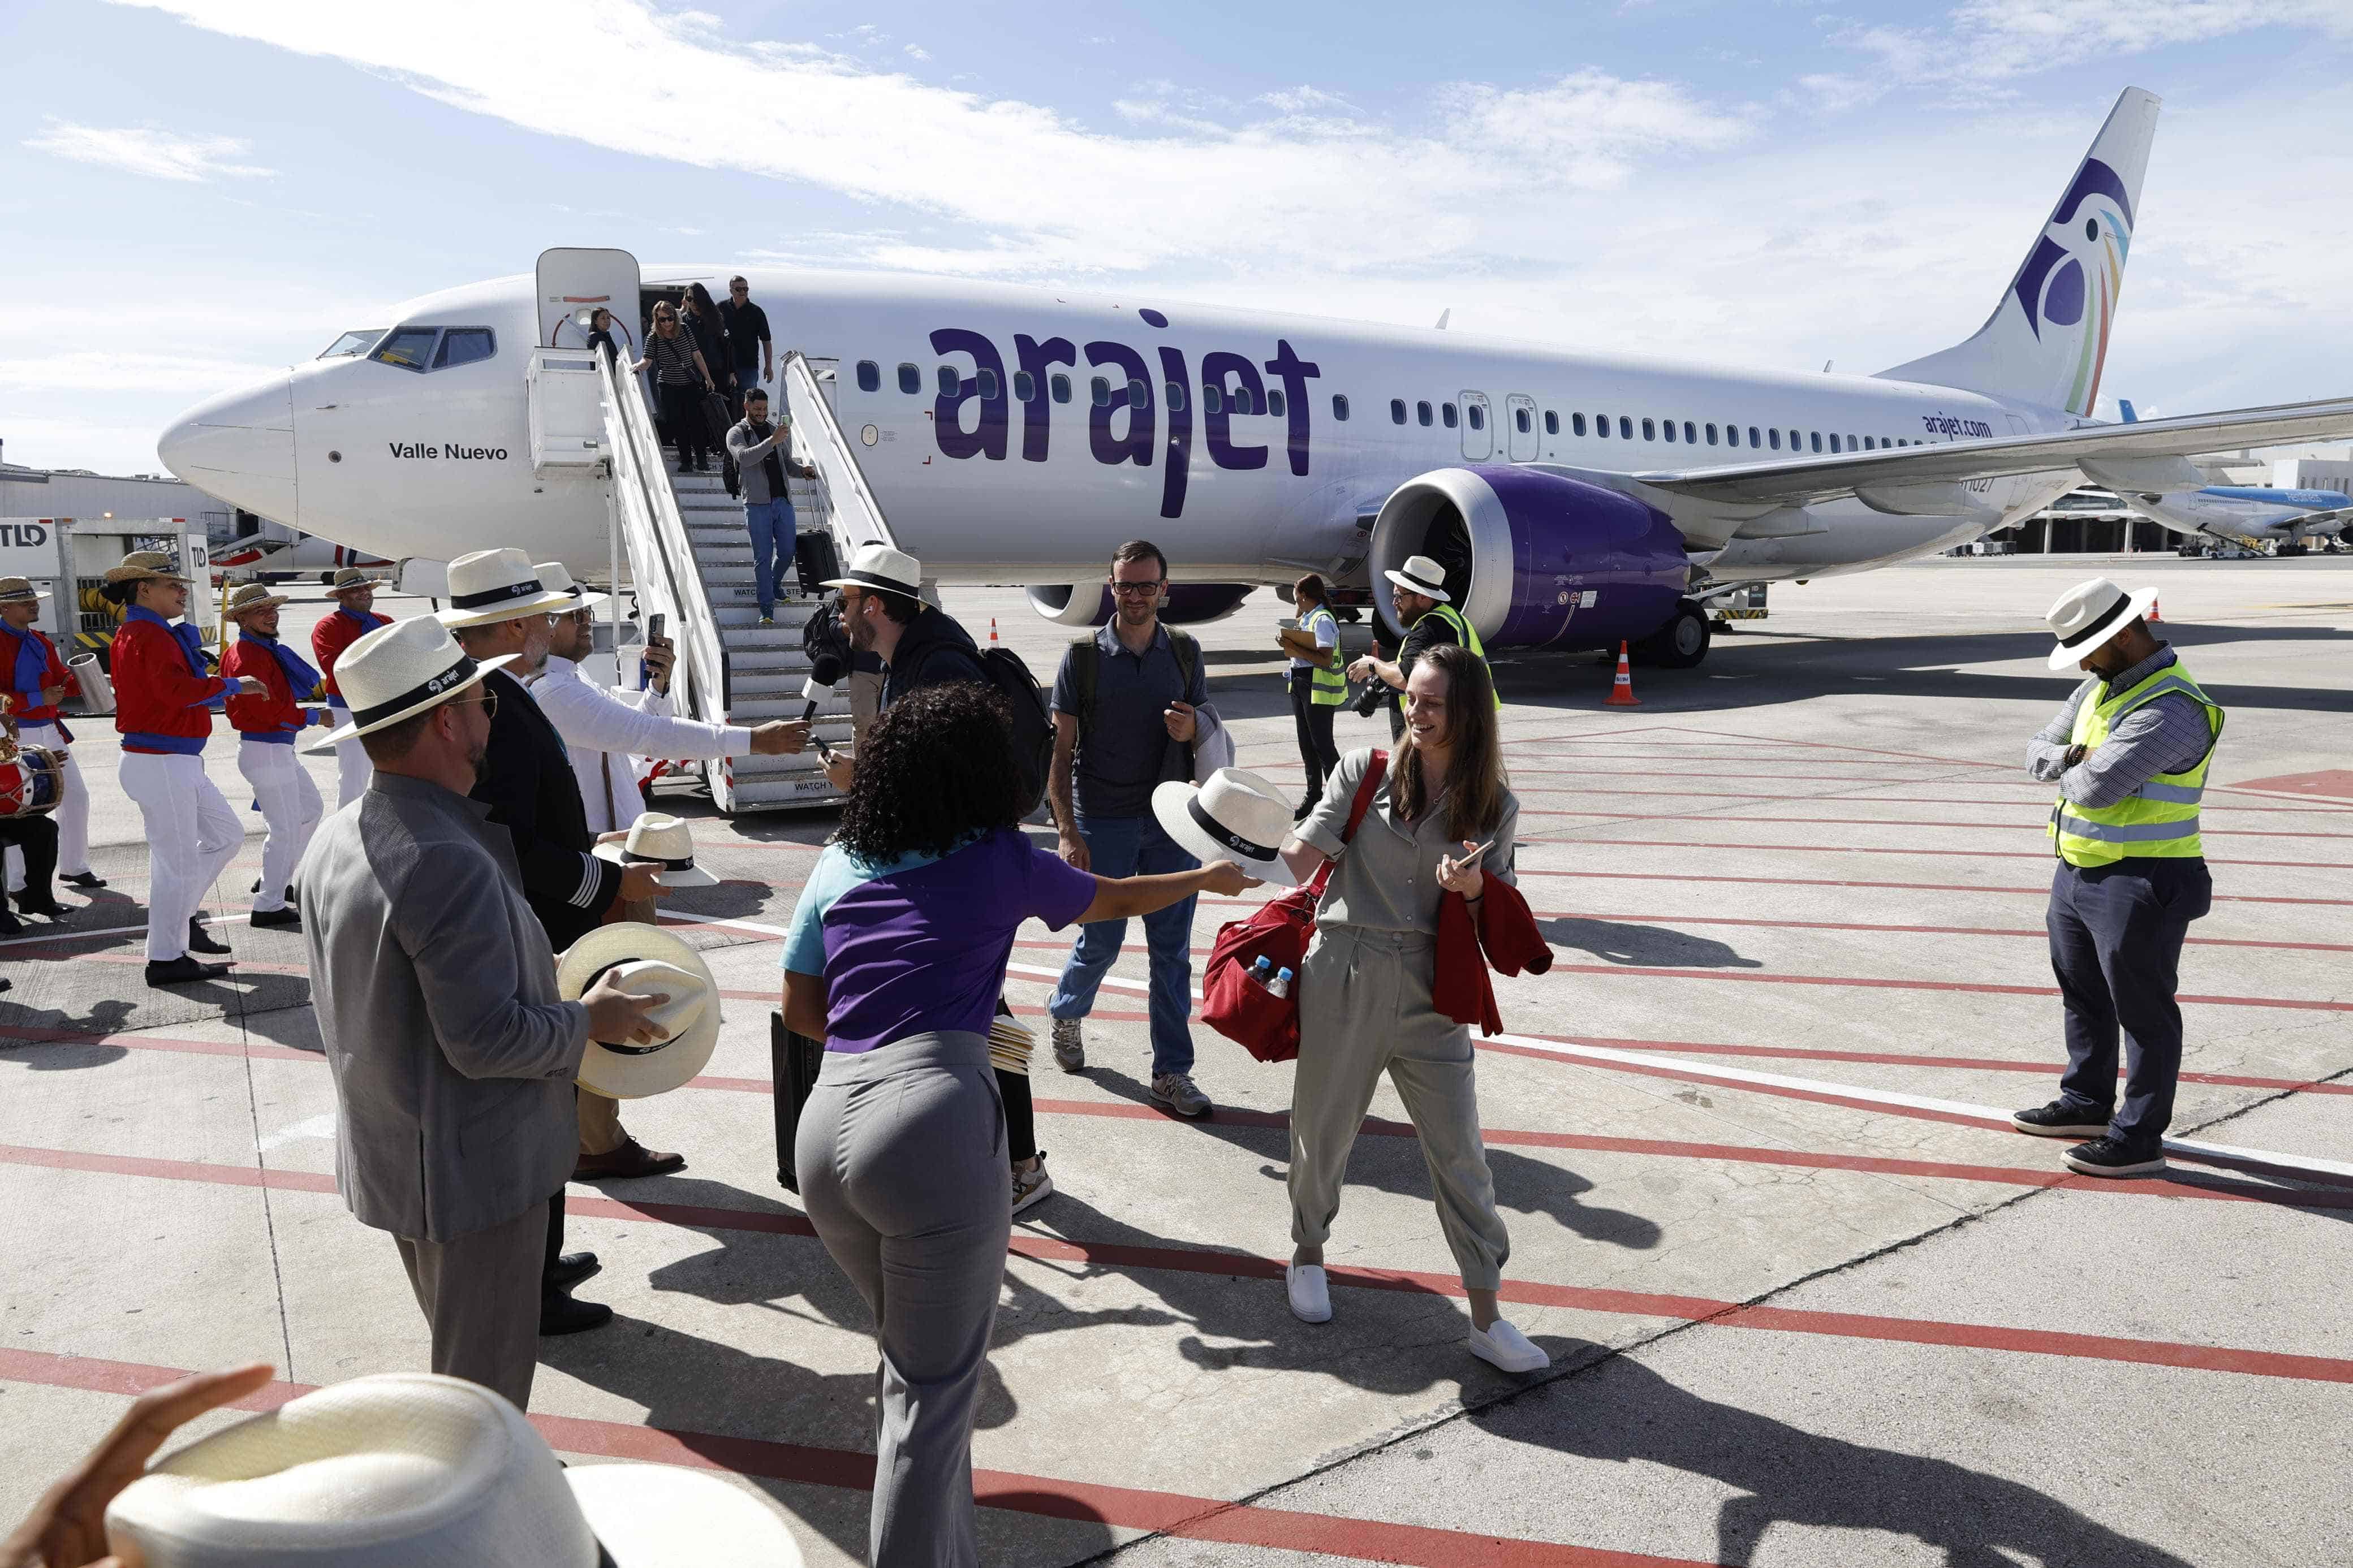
x=163, y=696
x=354, y=591
x=31, y=670
x=265, y=727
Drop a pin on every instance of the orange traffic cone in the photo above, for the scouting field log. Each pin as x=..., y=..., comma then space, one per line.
x=2154, y=615
x=1622, y=690
x=992, y=631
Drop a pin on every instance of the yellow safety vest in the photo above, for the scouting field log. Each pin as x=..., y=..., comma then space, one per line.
x=1468, y=636
x=1329, y=688
x=2159, y=820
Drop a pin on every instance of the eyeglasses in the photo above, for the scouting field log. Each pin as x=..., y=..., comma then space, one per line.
x=488, y=702
x=1135, y=590
x=738, y=289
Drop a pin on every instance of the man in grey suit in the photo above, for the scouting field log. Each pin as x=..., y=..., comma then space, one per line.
x=435, y=985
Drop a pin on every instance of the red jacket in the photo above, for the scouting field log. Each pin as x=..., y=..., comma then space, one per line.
x=30, y=709
x=1505, y=936
x=272, y=713
x=335, y=633
x=159, y=702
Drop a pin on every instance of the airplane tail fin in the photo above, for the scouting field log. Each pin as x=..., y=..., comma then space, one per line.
x=2124, y=407
x=2048, y=336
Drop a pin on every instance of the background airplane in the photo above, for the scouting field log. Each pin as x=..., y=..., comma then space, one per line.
x=2254, y=513
x=1017, y=435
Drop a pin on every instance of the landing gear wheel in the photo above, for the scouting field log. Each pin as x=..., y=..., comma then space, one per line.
x=1680, y=643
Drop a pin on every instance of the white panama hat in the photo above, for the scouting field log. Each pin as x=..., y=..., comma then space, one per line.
x=2088, y=615
x=879, y=567
x=645, y=961
x=400, y=669
x=1424, y=577
x=1235, y=816
x=407, y=1468
x=487, y=586
x=666, y=840
x=556, y=578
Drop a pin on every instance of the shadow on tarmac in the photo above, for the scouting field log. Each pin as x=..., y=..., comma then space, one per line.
x=1624, y=1411
x=1638, y=944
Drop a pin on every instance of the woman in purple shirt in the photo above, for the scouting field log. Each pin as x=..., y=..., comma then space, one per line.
x=895, y=959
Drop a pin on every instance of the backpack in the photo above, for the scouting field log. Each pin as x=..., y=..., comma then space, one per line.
x=1033, y=727
x=1177, y=763
x=1280, y=929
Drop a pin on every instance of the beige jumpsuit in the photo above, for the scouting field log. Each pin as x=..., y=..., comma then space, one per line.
x=1365, y=1008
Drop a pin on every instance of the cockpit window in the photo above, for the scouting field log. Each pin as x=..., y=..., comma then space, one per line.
x=465, y=346
x=410, y=348
x=357, y=341
x=415, y=348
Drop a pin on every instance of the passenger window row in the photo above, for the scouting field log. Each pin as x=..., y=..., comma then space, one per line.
x=1241, y=400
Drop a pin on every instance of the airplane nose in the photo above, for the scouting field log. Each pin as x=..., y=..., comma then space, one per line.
x=239, y=446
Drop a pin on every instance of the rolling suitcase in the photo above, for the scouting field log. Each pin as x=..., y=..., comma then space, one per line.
x=794, y=1059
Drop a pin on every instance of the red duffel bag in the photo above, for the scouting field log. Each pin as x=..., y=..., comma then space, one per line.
x=1240, y=1009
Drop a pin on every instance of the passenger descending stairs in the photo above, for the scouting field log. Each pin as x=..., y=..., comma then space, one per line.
x=765, y=665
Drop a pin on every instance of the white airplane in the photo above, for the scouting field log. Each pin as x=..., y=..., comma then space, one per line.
x=2247, y=513
x=1017, y=435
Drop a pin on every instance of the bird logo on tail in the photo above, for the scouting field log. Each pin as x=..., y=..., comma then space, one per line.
x=2071, y=280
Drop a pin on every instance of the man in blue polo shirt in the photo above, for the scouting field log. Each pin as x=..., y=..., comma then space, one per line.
x=1126, y=701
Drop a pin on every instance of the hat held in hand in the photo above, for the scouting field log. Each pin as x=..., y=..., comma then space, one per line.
x=658, y=839
x=644, y=961
x=1235, y=816
x=407, y=1468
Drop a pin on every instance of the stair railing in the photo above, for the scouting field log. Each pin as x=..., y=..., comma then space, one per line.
x=662, y=569
x=853, y=512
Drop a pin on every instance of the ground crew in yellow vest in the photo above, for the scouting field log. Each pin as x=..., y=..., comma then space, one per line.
x=2130, y=753
x=1317, y=686
x=1424, y=607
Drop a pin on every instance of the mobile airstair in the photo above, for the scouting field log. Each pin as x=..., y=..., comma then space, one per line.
x=679, y=549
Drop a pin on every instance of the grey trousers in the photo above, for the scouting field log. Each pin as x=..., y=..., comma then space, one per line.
x=480, y=1295
x=1365, y=1008
x=901, y=1158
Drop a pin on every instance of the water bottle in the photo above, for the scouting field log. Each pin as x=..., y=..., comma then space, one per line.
x=1282, y=986
x=1262, y=971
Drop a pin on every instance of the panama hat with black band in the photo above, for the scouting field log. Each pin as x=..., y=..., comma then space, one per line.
x=556, y=578
x=400, y=669
x=487, y=585
x=2088, y=615
x=1424, y=577
x=1235, y=816
x=644, y=961
x=883, y=569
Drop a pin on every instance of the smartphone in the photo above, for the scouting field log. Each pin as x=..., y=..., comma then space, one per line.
x=1470, y=857
x=656, y=625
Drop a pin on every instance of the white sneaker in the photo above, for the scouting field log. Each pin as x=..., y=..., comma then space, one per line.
x=1311, y=1297
x=1033, y=1187
x=1505, y=1347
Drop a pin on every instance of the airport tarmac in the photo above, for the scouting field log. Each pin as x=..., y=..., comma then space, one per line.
x=1791, y=1322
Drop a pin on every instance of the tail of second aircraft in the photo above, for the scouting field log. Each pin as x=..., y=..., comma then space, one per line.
x=2047, y=337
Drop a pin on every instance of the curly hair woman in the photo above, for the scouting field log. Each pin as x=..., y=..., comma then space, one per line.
x=895, y=958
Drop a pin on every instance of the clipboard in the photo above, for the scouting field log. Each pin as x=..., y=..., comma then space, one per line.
x=1302, y=643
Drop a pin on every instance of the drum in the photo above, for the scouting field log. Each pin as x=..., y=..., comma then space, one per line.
x=32, y=782
x=97, y=691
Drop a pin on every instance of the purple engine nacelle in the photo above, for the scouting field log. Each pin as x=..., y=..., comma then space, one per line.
x=1181, y=604
x=1534, y=559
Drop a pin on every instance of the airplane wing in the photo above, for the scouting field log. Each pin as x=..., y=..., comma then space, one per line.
x=1800, y=482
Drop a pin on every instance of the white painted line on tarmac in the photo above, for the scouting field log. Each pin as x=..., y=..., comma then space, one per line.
x=2300, y=1167
x=320, y=1126
x=140, y=930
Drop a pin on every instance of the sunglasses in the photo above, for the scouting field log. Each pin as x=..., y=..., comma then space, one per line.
x=488, y=702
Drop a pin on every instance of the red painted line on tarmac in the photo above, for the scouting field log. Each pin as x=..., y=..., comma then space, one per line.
x=2022, y=825
x=1125, y=1508
x=2043, y=855
x=2043, y=891
x=1882, y=799
x=1215, y=1260
x=35, y=1036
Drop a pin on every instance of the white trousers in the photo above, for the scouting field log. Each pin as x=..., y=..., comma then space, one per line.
x=72, y=816
x=289, y=804
x=354, y=769
x=191, y=836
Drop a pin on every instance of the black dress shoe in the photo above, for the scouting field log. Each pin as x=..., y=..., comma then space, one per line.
x=48, y=909
x=84, y=880
x=560, y=1314
x=9, y=924
x=201, y=940
x=287, y=918
x=569, y=1270
x=181, y=970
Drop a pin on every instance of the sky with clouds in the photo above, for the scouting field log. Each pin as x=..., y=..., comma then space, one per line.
x=199, y=191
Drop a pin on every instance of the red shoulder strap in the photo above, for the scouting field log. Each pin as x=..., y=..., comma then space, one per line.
x=1372, y=780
